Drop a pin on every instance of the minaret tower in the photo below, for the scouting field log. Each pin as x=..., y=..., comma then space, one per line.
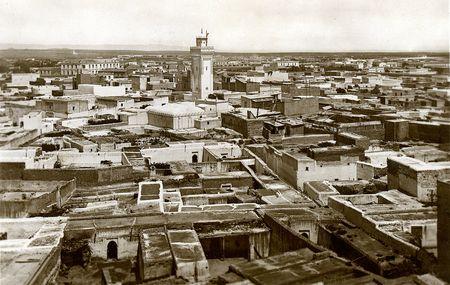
x=201, y=68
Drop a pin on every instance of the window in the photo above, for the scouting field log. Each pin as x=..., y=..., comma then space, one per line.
x=307, y=168
x=206, y=68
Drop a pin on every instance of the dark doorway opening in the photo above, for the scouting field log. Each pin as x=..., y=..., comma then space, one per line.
x=213, y=247
x=111, y=252
x=194, y=158
x=306, y=235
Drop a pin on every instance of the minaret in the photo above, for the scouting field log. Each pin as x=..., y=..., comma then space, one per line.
x=201, y=68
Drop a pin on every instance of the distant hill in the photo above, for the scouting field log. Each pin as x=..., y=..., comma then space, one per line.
x=149, y=47
x=82, y=53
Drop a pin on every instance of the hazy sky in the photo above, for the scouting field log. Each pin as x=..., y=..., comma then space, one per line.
x=234, y=25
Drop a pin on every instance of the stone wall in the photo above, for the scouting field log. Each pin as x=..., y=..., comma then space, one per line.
x=215, y=182
x=352, y=139
x=84, y=177
x=307, y=139
x=25, y=137
x=336, y=153
x=374, y=130
x=418, y=183
x=424, y=131
x=11, y=170
x=367, y=171
x=247, y=127
x=331, y=171
x=57, y=195
x=283, y=238
x=443, y=230
x=396, y=130
x=126, y=248
x=298, y=106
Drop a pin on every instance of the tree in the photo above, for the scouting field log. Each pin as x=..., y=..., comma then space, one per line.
x=376, y=90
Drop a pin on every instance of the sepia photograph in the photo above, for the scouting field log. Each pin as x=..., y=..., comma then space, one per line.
x=224, y=142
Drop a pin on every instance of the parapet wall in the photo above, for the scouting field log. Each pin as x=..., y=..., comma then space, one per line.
x=374, y=130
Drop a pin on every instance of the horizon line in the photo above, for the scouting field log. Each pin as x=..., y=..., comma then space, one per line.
x=227, y=51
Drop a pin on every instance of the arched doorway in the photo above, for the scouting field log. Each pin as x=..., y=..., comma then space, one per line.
x=111, y=251
x=194, y=158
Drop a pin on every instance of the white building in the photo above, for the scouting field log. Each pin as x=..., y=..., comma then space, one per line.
x=286, y=63
x=91, y=66
x=191, y=151
x=36, y=121
x=31, y=156
x=201, y=68
x=174, y=116
x=99, y=90
x=23, y=79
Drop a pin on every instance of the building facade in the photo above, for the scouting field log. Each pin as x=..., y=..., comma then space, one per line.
x=91, y=66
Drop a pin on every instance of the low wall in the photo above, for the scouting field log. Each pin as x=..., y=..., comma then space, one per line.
x=216, y=182
x=367, y=171
x=22, y=208
x=307, y=139
x=11, y=170
x=84, y=177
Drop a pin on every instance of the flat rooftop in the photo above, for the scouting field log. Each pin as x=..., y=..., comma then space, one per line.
x=419, y=165
x=17, y=190
x=29, y=247
x=302, y=267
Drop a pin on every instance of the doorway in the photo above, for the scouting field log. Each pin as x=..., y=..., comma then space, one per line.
x=111, y=252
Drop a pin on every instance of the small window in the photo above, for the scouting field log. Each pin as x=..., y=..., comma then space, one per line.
x=207, y=123
x=307, y=168
x=73, y=108
x=206, y=68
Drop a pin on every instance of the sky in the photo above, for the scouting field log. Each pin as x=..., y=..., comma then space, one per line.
x=234, y=25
